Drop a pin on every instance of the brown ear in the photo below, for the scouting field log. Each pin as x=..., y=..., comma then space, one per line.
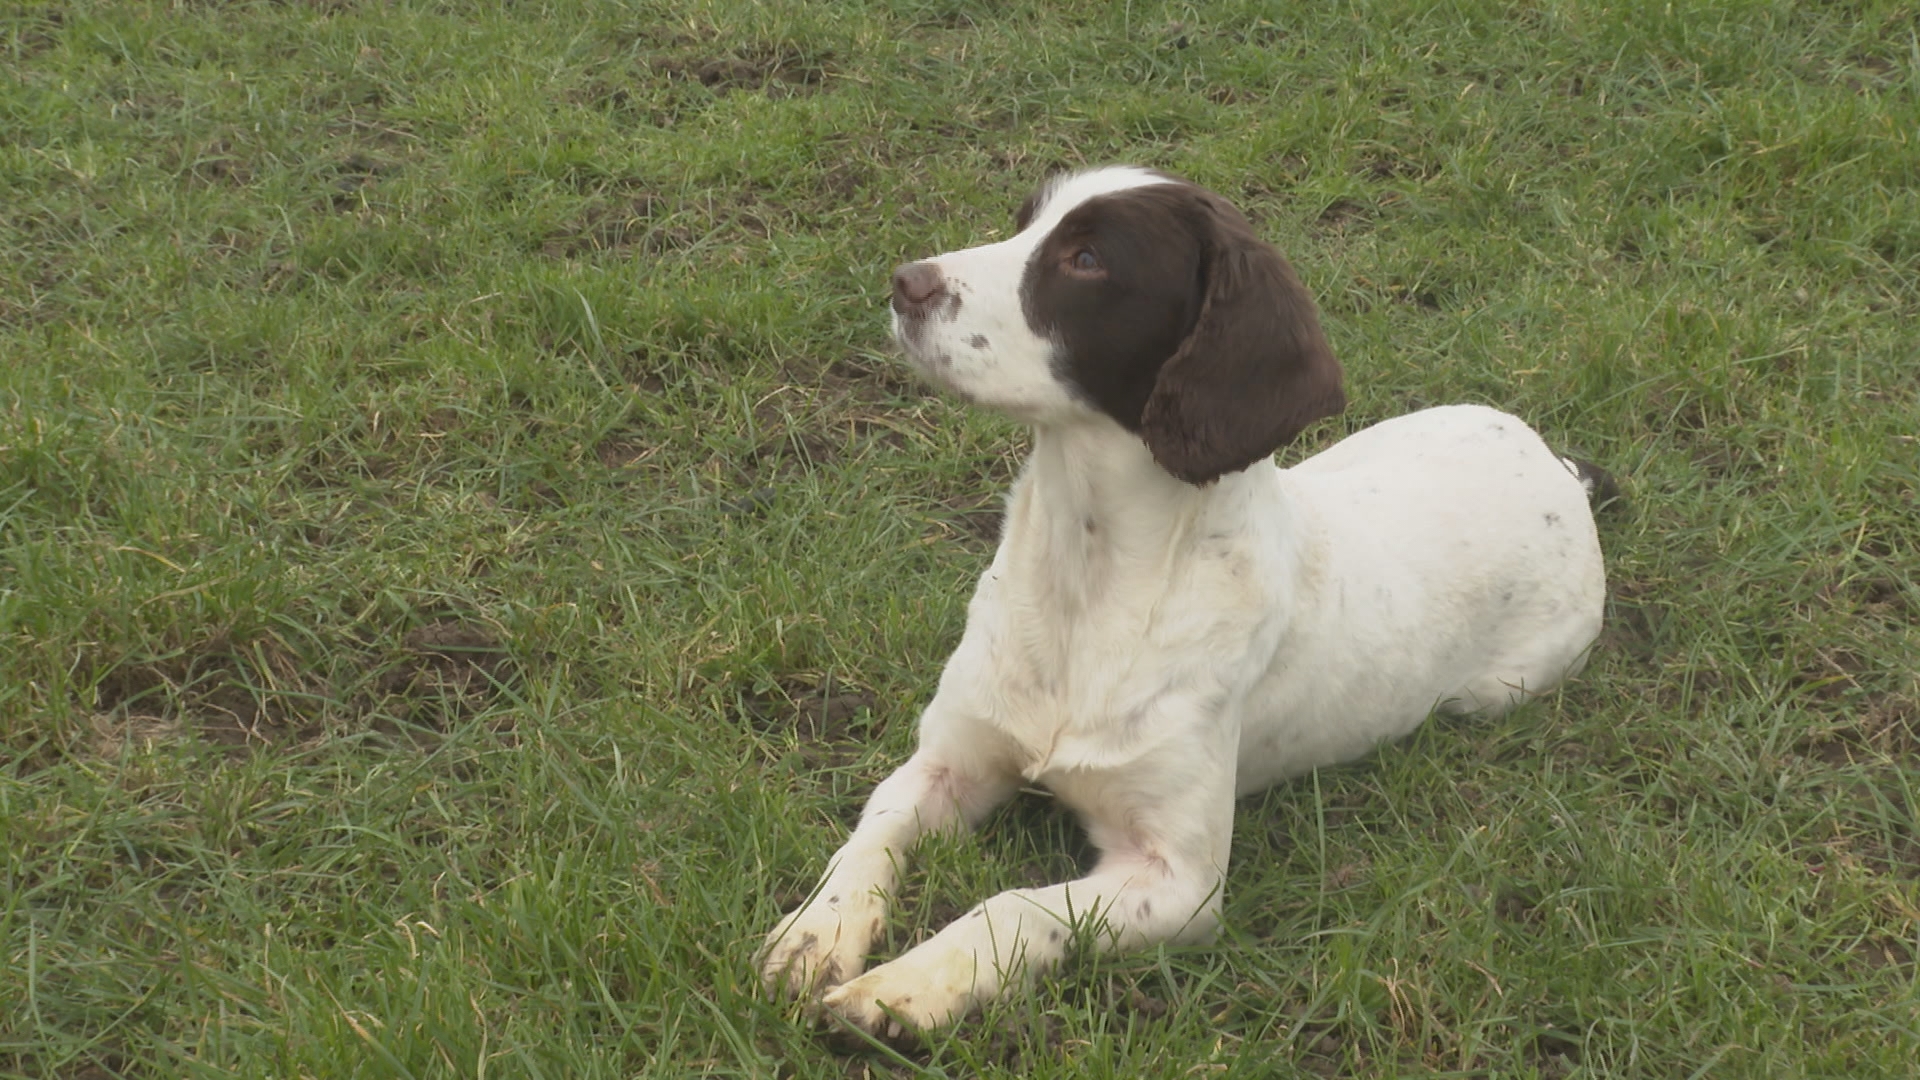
x=1255, y=371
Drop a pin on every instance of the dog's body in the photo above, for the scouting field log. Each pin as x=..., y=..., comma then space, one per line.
x=1171, y=620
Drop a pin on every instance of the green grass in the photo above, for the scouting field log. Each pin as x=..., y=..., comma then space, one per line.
x=466, y=552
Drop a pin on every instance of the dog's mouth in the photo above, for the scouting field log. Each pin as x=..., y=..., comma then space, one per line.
x=933, y=368
x=922, y=355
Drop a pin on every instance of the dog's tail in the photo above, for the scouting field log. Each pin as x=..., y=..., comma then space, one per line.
x=1602, y=489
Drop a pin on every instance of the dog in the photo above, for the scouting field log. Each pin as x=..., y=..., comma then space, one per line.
x=1171, y=620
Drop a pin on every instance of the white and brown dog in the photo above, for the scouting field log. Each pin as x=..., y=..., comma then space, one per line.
x=1172, y=620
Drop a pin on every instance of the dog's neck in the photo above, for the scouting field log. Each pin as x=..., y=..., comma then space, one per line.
x=1092, y=505
x=1100, y=479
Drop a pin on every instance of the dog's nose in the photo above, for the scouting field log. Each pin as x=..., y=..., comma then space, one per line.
x=917, y=288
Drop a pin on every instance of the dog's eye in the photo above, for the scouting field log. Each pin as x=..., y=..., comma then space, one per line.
x=1084, y=260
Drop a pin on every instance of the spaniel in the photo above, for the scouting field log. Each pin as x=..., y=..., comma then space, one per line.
x=1172, y=620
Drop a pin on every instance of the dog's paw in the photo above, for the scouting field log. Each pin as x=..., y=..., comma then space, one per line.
x=902, y=1000
x=821, y=945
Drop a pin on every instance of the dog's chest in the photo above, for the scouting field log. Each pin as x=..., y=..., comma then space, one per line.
x=1073, y=678
x=1055, y=692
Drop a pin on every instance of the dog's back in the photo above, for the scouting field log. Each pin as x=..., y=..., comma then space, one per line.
x=1463, y=573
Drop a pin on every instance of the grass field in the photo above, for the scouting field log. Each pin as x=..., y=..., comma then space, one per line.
x=466, y=550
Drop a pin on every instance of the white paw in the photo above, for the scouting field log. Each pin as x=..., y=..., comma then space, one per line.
x=822, y=944
x=925, y=989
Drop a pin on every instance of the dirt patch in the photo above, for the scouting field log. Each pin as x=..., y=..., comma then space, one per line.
x=1633, y=620
x=824, y=716
x=1062, y=850
x=1322, y=1048
x=1363, y=294
x=53, y=278
x=1890, y=722
x=1899, y=859
x=1831, y=674
x=798, y=449
x=320, y=7
x=637, y=222
x=1885, y=953
x=624, y=225
x=1117, y=994
x=777, y=70
x=103, y=1066
x=651, y=371
x=218, y=163
x=1385, y=165
x=1885, y=596
x=128, y=103
x=1860, y=72
x=257, y=693
x=861, y=1068
x=1019, y=1050
x=1874, y=595
x=819, y=419
x=917, y=917
x=1723, y=464
x=38, y=32
x=974, y=521
x=1422, y=295
x=640, y=226
x=350, y=177
x=616, y=452
x=448, y=669
x=388, y=134
x=865, y=378
x=843, y=180
x=233, y=694
x=1518, y=904
x=118, y=734
x=1343, y=215
x=1556, y=1052
x=1832, y=752
x=1348, y=874
x=946, y=15
x=1874, y=728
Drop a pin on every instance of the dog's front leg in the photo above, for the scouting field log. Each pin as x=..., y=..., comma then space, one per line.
x=825, y=940
x=1164, y=849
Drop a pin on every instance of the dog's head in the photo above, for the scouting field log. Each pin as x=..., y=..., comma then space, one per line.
x=1133, y=294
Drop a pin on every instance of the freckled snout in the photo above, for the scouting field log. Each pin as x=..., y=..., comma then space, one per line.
x=919, y=290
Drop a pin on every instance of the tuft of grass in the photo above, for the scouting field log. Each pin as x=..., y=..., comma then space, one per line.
x=466, y=552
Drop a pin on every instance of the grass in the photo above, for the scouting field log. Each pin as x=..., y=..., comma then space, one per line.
x=465, y=551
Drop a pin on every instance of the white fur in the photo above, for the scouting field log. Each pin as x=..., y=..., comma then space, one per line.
x=1148, y=650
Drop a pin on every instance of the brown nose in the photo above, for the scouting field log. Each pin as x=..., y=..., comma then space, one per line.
x=917, y=289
